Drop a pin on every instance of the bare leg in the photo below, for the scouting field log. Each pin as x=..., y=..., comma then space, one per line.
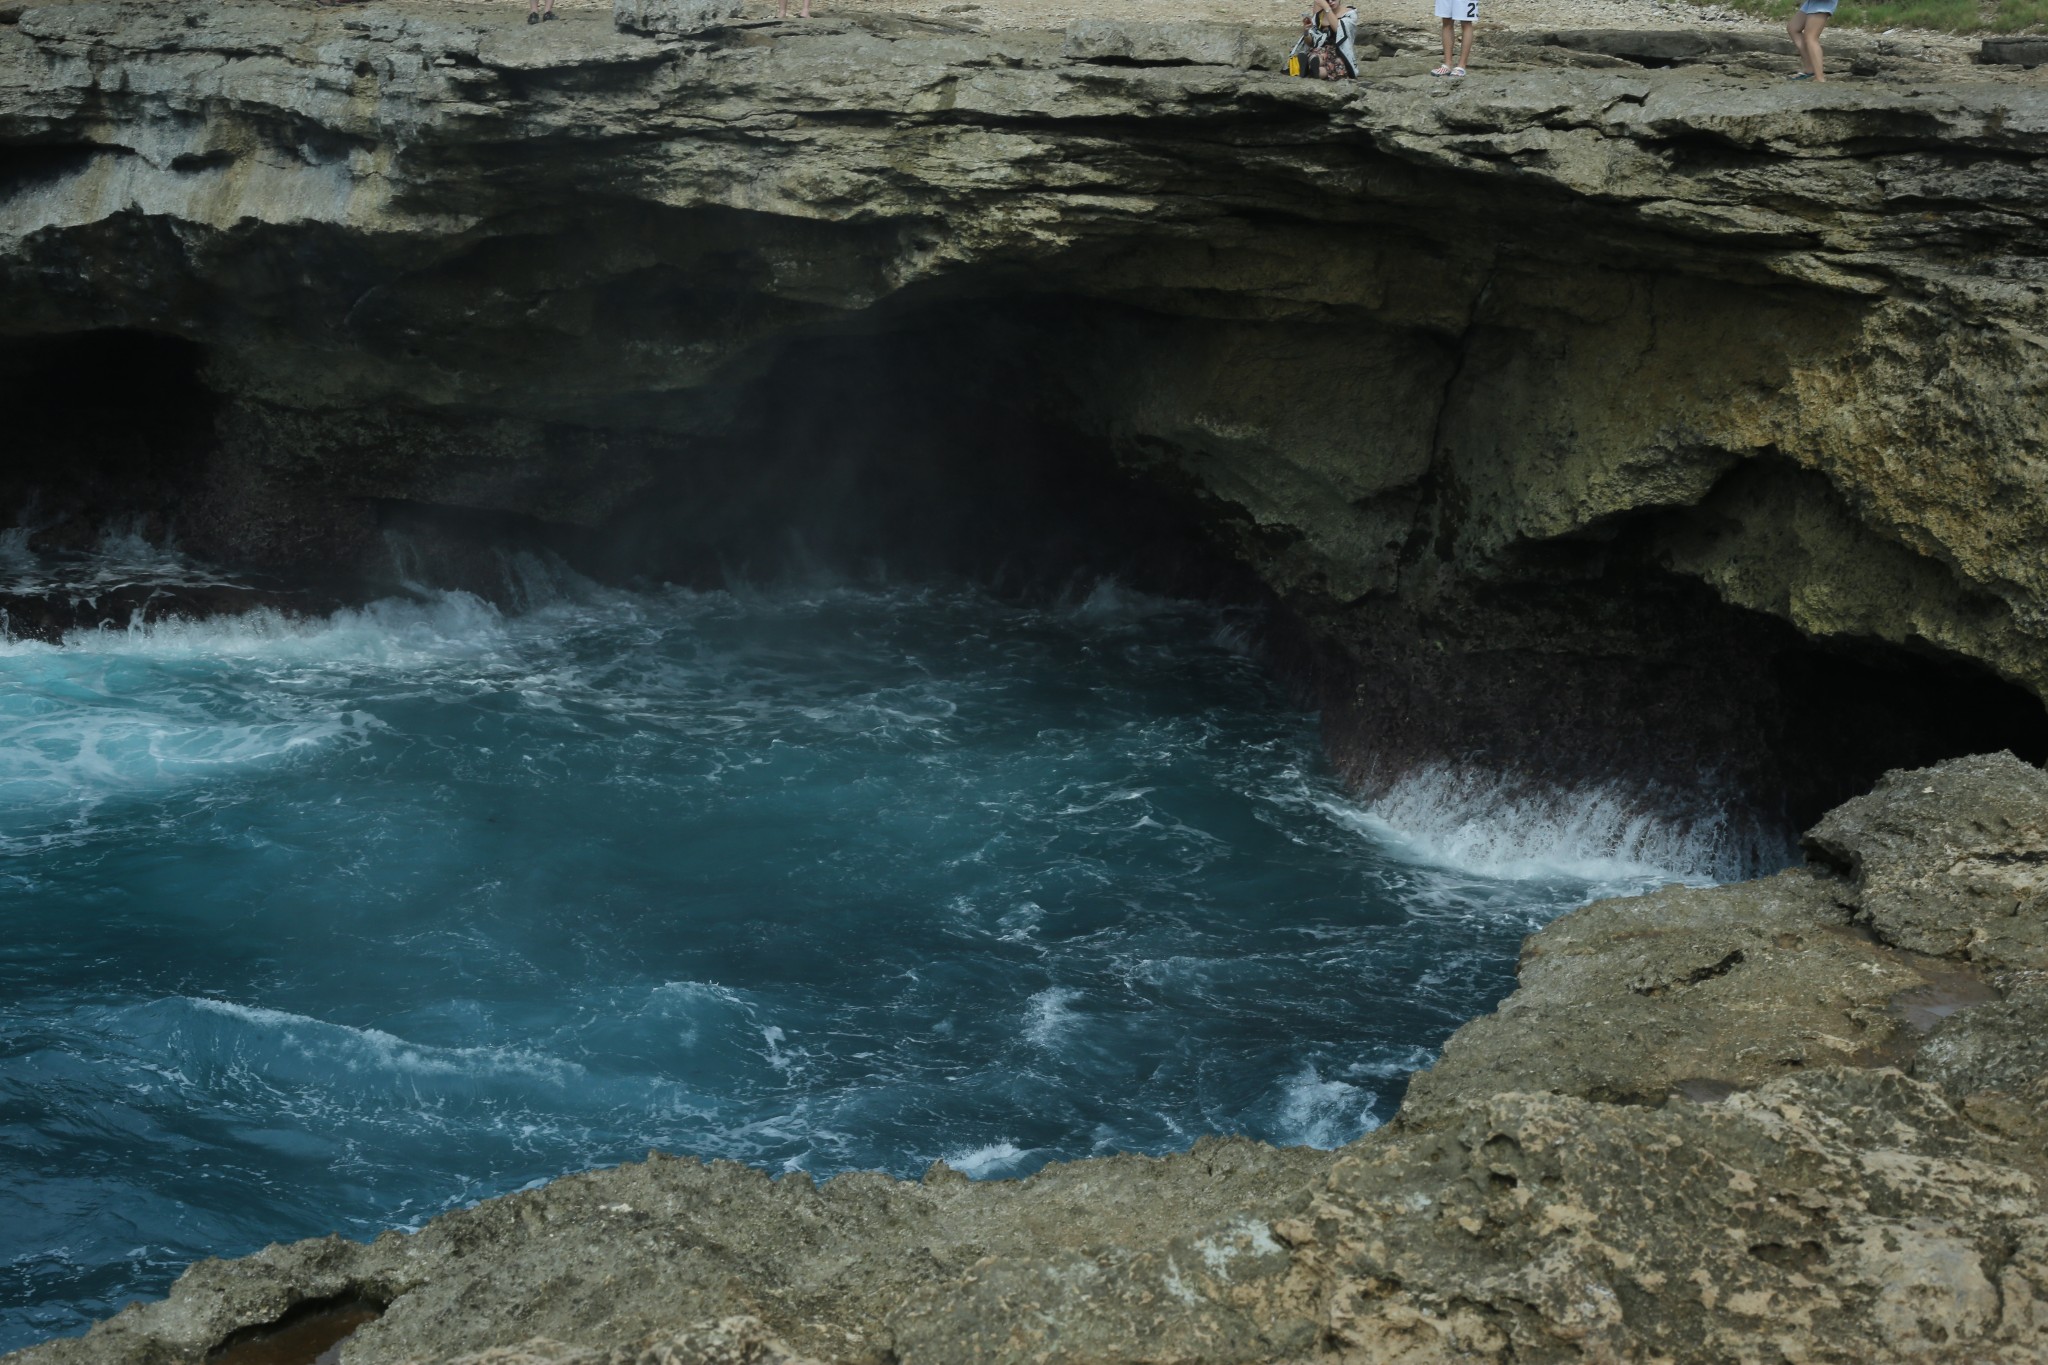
x=1816, y=23
x=1466, y=58
x=1450, y=43
x=1795, y=28
x=783, y=11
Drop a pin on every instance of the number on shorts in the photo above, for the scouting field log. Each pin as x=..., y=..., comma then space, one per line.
x=1471, y=9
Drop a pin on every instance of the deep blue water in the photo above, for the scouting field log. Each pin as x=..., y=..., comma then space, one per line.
x=334, y=925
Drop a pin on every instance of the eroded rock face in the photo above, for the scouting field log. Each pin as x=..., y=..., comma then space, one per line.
x=1503, y=389
x=1480, y=382
x=1714, y=1124
x=1956, y=865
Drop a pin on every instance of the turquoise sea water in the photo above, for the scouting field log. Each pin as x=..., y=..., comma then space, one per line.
x=333, y=925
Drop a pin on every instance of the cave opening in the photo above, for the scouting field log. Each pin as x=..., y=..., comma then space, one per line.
x=1854, y=710
x=947, y=446
x=107, y=428
x=996, y=876
x=1646, y=687
x=960, y=441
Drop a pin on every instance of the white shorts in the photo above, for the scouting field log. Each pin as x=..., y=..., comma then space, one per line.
x=1464, y=11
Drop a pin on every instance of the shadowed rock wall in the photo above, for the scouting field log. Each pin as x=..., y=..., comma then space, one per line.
x=1521, y=396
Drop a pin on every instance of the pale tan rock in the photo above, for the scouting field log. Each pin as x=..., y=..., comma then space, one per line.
x=672, y=18
x=1952, y=860
x=732, y=1341
x=1171, y=44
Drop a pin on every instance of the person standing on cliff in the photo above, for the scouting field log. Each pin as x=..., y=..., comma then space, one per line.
x=782, y=11
x=1457, y=13
x=1805, y=26
x=534, y=13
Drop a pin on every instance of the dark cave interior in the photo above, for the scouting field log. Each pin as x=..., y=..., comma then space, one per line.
x=915, y=457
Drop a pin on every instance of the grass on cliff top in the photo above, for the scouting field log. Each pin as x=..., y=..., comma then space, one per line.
x=1943, y=16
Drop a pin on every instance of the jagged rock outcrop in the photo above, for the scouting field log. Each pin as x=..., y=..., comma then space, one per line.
x=1784, y=1120
x=1509, y=390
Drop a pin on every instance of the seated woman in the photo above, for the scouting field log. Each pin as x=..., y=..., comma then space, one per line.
x=1327, y=44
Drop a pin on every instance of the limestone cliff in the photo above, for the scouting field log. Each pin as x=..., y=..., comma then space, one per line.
x=1604, y=415
x=1563, y=407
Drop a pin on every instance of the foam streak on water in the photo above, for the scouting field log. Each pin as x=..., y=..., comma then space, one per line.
x=337, y=924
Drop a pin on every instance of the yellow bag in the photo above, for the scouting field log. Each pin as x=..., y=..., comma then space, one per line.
x=1294, y=66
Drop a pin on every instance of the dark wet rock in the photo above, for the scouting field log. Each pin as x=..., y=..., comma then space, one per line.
x=1579, y=418
x=2023, y=51
x=1619, y=358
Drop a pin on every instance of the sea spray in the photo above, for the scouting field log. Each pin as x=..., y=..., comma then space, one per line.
x=1604, y=835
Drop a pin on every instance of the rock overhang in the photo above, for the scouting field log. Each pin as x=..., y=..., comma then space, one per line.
x=1700, y=320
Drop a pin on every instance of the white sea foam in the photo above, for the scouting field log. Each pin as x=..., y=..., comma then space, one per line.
x=373, y=1050
x=393, y=631
x=980, y=1163
x=1399, y=1063
x=1020, y=923
x=1476, y=822
x=1110, y=601
x=1315, y=1112
x=86, y=754
x=123, y=558
x=1048, y=1015
x=687, y=1007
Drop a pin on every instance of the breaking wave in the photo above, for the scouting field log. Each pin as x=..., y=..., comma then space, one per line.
x=1606, y=837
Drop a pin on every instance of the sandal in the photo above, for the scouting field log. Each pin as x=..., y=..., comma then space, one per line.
x=1456, y=72
x=547, y=15
x=1803, y=76
x=533, y=16
x=1441, y=71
